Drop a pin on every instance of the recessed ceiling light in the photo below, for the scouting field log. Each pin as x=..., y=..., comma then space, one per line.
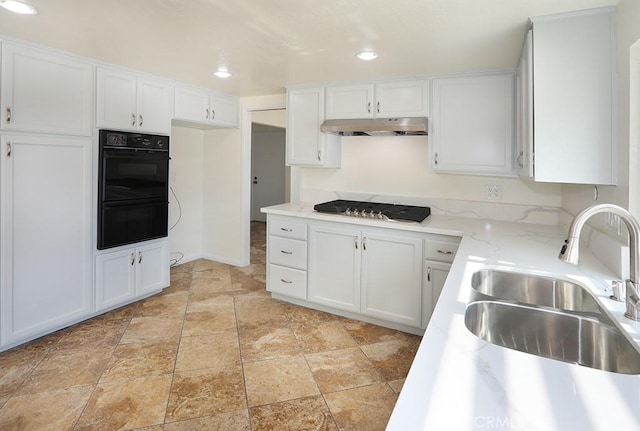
x=18, y=7
x=222, y=72
x=367, y=55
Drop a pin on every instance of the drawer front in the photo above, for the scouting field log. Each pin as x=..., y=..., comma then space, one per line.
x=288, y=229
x=441, y=251
x=288, y=252
x=287, y=281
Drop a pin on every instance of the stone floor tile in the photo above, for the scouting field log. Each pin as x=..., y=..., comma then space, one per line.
x=392, y=358
x=129, y=404
x=268, y=342
x=366, y=333
x=365, y=408
x=309, y=316
x=306, y=414
x=16, y=364
x=278, y=379
x=44, y=411
x=163, y=305
x=154, y=328
x=208, y=351
x=100, y=331
x=337, y=370
x=211, y=302
x=209, y=322
x=237, y=420
x=322, y=336
x=205, y=392
x=141, y=359
x=396, y=385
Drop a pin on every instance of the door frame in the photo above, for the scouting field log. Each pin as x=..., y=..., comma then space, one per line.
x=247, y=114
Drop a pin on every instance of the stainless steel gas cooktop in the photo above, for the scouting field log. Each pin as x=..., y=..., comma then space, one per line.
x=374, y=210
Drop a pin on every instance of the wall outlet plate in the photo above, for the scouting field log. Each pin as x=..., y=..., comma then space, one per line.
x=493, y=192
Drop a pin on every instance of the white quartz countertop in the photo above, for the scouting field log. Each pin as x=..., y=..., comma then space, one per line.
x=460, y=382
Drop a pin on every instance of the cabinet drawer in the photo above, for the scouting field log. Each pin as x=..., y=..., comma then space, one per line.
x=287, y=229
x=440, y=250
x=288, y=252
x=287, y=281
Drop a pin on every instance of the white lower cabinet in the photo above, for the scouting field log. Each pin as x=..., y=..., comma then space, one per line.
x=45, y=237
x=287, y=257
x=439, y=253
x=372, y=272
x=125, y=275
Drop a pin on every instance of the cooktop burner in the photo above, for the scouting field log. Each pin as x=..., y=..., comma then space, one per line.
x=374, y=210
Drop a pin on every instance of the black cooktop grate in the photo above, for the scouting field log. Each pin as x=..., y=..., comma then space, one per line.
x=391, y=211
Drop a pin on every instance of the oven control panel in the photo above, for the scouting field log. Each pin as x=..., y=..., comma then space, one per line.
x=113, y=139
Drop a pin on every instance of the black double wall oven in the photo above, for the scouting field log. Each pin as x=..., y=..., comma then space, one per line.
x=133, y=188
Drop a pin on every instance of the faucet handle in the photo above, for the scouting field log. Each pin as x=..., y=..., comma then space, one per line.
x=618, y=290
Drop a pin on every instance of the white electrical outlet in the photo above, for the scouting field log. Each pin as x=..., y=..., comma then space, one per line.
x=493, y=192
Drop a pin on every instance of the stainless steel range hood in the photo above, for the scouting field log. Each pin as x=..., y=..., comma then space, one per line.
x=408, y=126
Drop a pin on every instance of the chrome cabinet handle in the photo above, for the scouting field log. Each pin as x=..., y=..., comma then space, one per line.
x=319, y=158
x=207, y=113
x=429, y=273
x=369, y=107
x=444, y=251
x=286, y=281
x=133, y=119
x=435, y=160
x=139, y=257
x=8, y=150
x=8, y=115
x=286, y=230
x=141, y=120
x=355, y=242
x=133, y=258
x=364, y=243
x=378, y=107
x=286, y=252
x=213, y=114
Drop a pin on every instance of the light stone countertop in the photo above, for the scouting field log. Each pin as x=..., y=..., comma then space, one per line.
x=460, y=382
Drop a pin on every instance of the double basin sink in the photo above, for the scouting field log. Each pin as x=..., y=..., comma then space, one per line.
x=548, y=317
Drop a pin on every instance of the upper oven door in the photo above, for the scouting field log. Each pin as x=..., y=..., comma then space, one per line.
x=127, y=174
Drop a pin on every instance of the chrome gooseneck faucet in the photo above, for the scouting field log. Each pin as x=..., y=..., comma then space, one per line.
x=570, y=250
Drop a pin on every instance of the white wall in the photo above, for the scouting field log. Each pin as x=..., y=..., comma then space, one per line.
x=186, y=182
x=400, y=166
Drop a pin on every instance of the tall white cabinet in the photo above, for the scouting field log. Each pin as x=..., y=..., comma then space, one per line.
x=46, y=212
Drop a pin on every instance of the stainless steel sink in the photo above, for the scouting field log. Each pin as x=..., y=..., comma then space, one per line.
x=533, y=289
x=569, y=337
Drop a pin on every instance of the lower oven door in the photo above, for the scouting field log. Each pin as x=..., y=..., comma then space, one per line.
x=131, y=222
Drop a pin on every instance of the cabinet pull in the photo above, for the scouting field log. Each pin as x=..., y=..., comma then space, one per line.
x=133, y=258
x=378, y=107
x=364, y=243
x=435, y=159
x=286, y=252
x=286, y=281
x=429, y=273
x=284, y=229
x=444, y=251
x=133, y=119
x=141, y=120
x=8, y=115
x=369, y=107
x=8, y=150
x=206, y=114
x=319, y=158
x=213, y=114
x=519, y=160
x=139, y=257
x=355, y=242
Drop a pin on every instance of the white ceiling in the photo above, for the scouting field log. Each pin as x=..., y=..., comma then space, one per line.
x=269, y=44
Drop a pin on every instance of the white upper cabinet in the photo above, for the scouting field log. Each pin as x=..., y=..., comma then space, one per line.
x=524, y=101
x=573, y=98
x=130, y=102
x=379, y=100
x=200, y=106
x=45, y=92
x=472, y=124
x=306, y=144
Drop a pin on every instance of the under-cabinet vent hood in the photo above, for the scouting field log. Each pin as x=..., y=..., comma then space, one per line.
x=409, y=126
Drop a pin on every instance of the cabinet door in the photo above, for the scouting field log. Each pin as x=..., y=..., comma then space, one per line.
x=223, y=111
x=350, y=101
x=152, y=268
x=524, y=100
x=116, y=100
x=334, y=267
x=44, y=92
x=115, y=278
x=153, y=106
x=392, y=278
x=306, y=145
x=435, y=275
x=402, y=99
x=46, y=266
x=191, y=105
x=472, y=127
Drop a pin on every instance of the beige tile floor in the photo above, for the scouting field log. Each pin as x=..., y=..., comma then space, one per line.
x=211, y=352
